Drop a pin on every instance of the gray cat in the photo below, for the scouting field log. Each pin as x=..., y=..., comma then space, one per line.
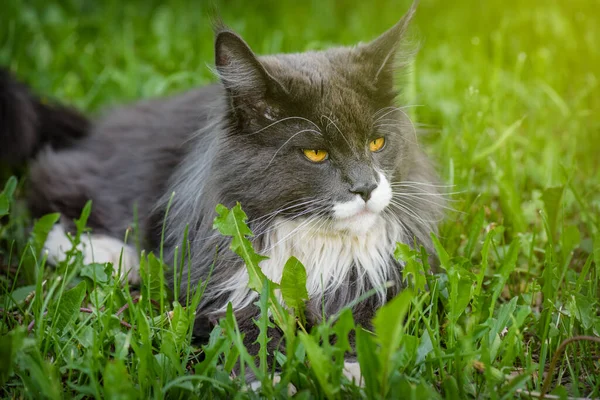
x=313, y=145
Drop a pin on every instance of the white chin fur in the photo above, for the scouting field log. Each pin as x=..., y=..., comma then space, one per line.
x=356, y=216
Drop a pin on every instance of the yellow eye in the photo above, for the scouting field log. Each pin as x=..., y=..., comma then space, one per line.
x=315, y=155
x=376, y=144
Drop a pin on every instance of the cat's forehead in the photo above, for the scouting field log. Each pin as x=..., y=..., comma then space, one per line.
x=329, y=86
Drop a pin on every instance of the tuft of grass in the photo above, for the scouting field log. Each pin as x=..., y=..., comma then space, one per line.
x=507, y=99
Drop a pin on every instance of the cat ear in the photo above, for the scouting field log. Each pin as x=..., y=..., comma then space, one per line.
x=383, y=56
x=248, y=83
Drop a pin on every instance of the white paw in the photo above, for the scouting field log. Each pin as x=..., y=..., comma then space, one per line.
x=95, y=249
x=352, y=372
x=291, y=390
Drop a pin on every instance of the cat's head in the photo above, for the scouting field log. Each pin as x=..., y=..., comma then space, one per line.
x=316, y=133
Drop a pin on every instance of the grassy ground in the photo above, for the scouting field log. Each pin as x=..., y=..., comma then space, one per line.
x=509, y=94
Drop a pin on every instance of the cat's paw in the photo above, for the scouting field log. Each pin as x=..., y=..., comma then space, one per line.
x=95, y=249
x=291, y=389
x=352, y=372
x=102, y=249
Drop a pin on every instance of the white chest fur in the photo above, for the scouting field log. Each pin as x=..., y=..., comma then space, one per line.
x=330, y=258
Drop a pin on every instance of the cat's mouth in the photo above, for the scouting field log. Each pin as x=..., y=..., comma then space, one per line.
x=358, y=222
x=364, y=212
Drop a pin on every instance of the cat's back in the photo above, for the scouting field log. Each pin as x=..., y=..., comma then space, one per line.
x=127, y=158
x=168, y=120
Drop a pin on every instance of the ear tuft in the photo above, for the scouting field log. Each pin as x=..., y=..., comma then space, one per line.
x=383, y=53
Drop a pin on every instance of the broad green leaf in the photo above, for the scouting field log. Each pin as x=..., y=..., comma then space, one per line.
x=571, y=238
x=17, y=297
x=152, y=274
x=143, y=328
x=498, y=325
x=293, y=284
x=263, y=326
x=465, y=294
x=342, y=328
x=552, y=197
x=412, y=266
x=9, y=187
x=366, y=350
x=40, y=231
x=425, y=347
x=320, y=364
x=85, y=336
x=81, y=222
x=389, y=321
x=503, y=318
x=426, y=390
x=38, y=374
x=462, y=285
x=584, y=309
x=233, y=223
x=211, y=352
x=179, y=324
x=66, y=308
x=121, y=345
x=10, y=344
x=117, y=382
x=389, y=326
x=510, y=261
x=407, y=352
x=239, y=351
x=403, y=252
x=4, y=205
x=96, y=272
x=476, y=227
x=441, y=252
x=508, y=266
x=451, y=390
x=6, y=195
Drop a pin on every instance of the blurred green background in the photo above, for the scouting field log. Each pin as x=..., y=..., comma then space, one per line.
x=508, y=91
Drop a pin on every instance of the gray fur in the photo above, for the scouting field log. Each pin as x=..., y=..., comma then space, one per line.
x=239, y=142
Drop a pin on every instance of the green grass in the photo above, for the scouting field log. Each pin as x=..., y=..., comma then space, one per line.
x=509, y=96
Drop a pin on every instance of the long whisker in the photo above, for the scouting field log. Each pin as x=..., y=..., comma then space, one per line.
x=314, y=231
x=401, y=136
x=423, y=184
x=421, y=191
x=406, y=208
x=424, y=195
x=302, y=225
x=387, y=212
x=272, y=224
x=294, y=204
x=420, y=198
x=286, y=119
x=278, y=224
x=414, y=129
x=393, y=109
x=265, y=219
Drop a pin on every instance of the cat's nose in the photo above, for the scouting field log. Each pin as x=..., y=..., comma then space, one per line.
x=364, y=190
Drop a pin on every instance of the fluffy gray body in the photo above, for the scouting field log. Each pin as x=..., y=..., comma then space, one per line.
x=243, y=140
